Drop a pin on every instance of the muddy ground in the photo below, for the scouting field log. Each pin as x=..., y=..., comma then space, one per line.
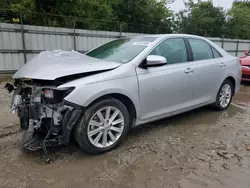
x=198, y=149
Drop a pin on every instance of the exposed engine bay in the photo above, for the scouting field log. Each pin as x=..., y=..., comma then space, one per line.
x=44, y=95
x=44, y=114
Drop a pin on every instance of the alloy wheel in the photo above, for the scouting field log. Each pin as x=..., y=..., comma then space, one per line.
x=105, y=127
x=225, y=95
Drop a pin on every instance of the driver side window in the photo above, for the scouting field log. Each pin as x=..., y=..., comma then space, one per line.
x=174, y=50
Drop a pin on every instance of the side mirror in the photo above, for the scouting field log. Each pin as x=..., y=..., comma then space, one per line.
x=155, y=60
x=246, y=53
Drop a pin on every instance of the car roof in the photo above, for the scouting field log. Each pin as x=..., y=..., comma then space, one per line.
x=171, y=35
x=160, y=37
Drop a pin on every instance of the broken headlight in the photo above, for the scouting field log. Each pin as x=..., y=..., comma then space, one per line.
x=48, y=93
x=53, y=96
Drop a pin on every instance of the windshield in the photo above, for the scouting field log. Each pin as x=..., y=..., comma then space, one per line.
x=121, y=50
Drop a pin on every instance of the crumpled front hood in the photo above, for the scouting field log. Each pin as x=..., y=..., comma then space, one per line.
x=49, y=65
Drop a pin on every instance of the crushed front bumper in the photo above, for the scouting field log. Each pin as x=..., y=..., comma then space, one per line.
x=46, y=121
x=38, y=138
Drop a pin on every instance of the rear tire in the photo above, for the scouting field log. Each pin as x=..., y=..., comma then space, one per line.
x=97, y=132
x=224, y=96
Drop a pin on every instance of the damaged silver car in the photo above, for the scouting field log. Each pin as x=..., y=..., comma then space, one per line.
x=95, y=98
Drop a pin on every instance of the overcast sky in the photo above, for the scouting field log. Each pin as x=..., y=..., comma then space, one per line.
x=178, y=4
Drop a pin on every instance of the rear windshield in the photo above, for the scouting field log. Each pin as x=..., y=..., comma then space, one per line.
x=121, y=50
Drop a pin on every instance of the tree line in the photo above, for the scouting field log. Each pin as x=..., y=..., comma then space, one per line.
x=147, y=16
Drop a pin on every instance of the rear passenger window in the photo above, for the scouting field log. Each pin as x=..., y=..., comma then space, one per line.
x=216, y=54
x=201, y=49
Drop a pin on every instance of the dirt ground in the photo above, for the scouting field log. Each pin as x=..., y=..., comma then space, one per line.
x=198, y=149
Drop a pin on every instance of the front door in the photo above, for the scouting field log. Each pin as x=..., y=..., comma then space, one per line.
x=166, y=88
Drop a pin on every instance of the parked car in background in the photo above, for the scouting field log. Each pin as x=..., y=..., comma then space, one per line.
x=97, y=97
x=245, y=66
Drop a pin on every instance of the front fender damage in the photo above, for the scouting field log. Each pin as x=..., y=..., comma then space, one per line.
x=69, y=121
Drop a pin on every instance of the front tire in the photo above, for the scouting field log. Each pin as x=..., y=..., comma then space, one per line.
x=104, y=125
x=224, y=96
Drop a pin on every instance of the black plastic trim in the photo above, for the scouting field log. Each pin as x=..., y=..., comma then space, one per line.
x=73, y=105
x=189, y=50
x=155, y=65
x=213, y=49
x=70, y=119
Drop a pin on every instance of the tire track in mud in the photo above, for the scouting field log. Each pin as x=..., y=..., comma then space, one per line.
x=2, y=135
x=9, y=130
x=227, y=162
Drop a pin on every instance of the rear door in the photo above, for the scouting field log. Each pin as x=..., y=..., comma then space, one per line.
x=209, y=70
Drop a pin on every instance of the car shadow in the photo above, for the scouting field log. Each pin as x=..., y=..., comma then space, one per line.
x=245, y=83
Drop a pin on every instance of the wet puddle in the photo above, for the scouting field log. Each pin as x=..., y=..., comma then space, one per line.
x=242, y=98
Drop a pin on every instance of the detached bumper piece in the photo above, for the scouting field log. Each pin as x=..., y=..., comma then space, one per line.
x=9, y=87
x=70, y=119
x=36, y=142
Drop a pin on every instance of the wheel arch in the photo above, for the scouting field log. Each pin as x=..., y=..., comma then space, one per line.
x=232, y=80
x=127, y=101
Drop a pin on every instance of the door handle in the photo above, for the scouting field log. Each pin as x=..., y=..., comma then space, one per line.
x=189, y=70
x=223, y=65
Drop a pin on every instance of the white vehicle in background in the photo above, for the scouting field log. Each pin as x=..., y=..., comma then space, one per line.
x=97, y=97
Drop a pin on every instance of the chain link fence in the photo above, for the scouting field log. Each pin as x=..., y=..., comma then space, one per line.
x=53, y=20
x=24, y=34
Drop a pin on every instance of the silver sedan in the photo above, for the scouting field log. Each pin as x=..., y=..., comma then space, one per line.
x=97, y=97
